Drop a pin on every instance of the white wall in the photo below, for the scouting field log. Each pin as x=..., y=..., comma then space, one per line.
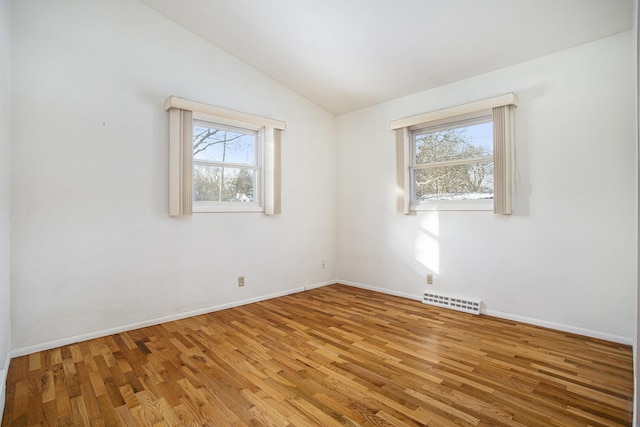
x=93, y=245
x=5, y=191
x=567, y=256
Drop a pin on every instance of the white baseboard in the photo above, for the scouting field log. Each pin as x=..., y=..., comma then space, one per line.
x=560, y=327
x=381, y=290
x=508, y=316
x=98, y=334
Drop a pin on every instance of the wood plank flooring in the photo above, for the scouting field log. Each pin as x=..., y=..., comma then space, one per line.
x=333, y=356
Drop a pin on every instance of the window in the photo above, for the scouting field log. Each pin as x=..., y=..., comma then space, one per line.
x=453, y=161
x=222, y=160
x=227, y=165
x=457, y=158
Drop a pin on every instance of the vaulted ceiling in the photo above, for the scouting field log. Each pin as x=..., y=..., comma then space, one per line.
x=346, y=55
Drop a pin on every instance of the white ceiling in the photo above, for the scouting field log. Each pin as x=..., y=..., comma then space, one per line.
x=346, y=55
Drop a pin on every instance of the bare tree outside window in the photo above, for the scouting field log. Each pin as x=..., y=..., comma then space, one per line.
x=454, y=164
x=224, y=164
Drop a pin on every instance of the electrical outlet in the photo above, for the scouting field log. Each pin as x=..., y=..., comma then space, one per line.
x=323, y=264
x=429, y=279
x=240, y=281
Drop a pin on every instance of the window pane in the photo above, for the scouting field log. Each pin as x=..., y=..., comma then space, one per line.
x=472, y=181
x=474, y=141
x=223, y=145
x=223, y=184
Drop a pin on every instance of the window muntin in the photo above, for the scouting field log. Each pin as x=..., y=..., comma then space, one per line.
x=227, y=165
x=452, y=161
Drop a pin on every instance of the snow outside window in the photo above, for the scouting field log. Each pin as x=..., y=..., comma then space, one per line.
x=453, y=162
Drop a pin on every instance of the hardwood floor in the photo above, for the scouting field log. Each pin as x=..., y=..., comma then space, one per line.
x=330, y=356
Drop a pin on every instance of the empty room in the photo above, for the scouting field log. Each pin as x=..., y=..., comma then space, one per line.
x=318, y=212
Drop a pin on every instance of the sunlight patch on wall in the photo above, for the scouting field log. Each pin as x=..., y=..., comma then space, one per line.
x=427, y=244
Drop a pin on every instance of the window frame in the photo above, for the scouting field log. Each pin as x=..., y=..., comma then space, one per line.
x=480, y=117
x=181, y=117
x=257, y=205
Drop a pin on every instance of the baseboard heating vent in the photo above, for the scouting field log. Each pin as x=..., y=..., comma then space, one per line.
x=466, y=305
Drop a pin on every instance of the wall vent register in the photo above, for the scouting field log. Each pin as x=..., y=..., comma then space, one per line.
x=459, y=304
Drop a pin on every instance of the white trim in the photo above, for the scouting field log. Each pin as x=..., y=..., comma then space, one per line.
x=23, y=351
x=449, y=163
x=459, y=110
x=221, y=207
x=528, y=320
x=318, y=285
x=381, y=290
x=453, y=205
x=560, y=327
x=185, y=104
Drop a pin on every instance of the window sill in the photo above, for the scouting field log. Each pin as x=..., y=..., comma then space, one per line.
x=446, y=205
x=230, y=208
